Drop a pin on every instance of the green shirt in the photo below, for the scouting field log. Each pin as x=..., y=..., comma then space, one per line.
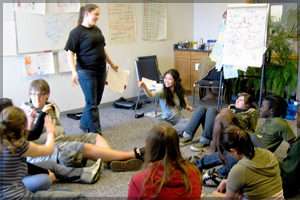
x=274, y=131
x=258, y=178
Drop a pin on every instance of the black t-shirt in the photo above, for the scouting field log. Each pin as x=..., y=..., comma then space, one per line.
x=88, y=44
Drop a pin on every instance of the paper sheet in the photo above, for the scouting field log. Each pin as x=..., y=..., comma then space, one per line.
x=230, y=72
x=151, y=85
x=39, y=64
x=116, y=81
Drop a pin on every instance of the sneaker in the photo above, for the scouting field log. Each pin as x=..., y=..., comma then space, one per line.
x=91, y=174
x=184, y=142
x=211, y=179
x=199, y=146
x=139, y=153
x=127, y=165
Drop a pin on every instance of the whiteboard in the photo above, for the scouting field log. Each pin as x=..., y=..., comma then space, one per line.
x=36, y=33
x=246, y=34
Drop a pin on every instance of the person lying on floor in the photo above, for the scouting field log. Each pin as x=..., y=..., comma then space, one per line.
x=41, y=175
x=274, y=129
x=256, y=174
x=166, y=174
x=243, y=113
x=74, y=150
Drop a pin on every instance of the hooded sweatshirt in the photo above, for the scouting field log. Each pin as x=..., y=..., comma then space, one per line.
x=258, y=178
x=172, y=189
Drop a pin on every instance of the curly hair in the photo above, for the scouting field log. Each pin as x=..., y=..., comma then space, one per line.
x=13, y=134
x=278, y=104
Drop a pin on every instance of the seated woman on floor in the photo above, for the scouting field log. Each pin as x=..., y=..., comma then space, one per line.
x=257, y=173
x=243, y=113
x=166, y=173
x=74, y=150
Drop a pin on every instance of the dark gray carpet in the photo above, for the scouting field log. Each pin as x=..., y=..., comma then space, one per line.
x=124, y=132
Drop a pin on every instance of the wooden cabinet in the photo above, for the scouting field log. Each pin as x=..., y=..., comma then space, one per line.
x=185, y=62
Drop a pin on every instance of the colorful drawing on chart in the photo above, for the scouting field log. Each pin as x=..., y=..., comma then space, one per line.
x=39, y=64
x=236, y=19
x=251, y=43
x=61, y=7
x=30, y=6
x=56, y=27
x=234, y=37
x=28, y=62
x=230, y=72
x=63, y=65
x=255, y=23
x=234, y=53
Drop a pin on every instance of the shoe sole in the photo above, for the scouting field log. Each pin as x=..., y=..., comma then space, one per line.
x=211, y=186
x=99, y=171
x=198, y=149
x=185, y=143
x=128, y=165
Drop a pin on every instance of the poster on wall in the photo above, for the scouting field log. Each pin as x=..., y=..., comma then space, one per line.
x=9, y=38
x=155, y=20
x=72, y=6
x=30, y=6
x=63, y=65
x=39, y=64
x=122, y=23
x=245, y=37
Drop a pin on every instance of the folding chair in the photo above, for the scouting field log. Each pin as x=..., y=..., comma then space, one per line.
x=214, y=79
x=147, y=69
x=153, y=57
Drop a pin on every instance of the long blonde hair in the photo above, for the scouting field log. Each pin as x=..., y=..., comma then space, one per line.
x=162, y=146
x=12, y=129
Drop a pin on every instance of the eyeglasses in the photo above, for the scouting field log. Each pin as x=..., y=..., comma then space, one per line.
x=38, y=94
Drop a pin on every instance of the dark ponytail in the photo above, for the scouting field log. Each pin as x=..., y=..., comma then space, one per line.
x=232, y=137
x=83, y=9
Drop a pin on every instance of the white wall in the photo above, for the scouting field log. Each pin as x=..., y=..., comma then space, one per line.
x=180, y=26
x=208, y=18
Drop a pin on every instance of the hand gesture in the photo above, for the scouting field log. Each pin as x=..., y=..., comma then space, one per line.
x=75, y=78
x=31, y=114
x=52, y=176
x=222, y=186
x=47, y=108
x=190, y=108
x=141, y=84
x=50, y=124
x=116, y=67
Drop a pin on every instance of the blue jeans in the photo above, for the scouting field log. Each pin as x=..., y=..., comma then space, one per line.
x=205, y=117
x=212, y=160
x=37, y=182
x=92, y=84
x=179, y=124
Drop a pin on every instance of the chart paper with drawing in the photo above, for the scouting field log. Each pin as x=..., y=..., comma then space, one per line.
x=122, y=23
x=39, y=64
x=52, y=32
x=245, y=37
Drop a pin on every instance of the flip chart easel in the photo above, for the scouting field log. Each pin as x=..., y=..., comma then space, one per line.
x=246, y=36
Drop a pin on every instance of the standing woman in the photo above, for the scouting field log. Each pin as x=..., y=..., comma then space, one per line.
x=87, y=41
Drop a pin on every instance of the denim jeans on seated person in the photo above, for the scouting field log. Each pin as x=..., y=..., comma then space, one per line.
x=212, y=160
x=37, y=182
x=205, y=117
x=92, y=84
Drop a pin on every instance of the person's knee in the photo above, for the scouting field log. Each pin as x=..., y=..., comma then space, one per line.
x=212, y=110
x=200, y=110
